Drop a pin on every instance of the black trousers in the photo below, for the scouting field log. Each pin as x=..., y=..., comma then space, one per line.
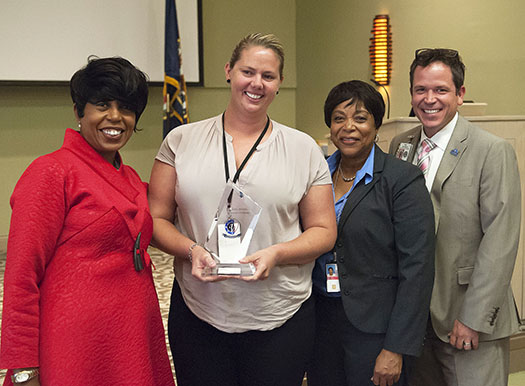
x=206, y=356
x=343, y=355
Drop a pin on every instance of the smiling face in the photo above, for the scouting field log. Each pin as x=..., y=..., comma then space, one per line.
x=106, y=126
x=352, y=130
x=254, y=80
x=435, y=99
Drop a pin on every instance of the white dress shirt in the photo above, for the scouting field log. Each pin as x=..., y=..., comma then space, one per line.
x=441, y=139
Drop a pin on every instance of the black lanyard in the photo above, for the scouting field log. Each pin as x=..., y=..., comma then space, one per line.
x=243, y=163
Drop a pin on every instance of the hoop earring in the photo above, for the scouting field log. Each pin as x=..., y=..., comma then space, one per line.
x=376, y=138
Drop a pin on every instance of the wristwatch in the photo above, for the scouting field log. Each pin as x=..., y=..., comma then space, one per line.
x=24, y=376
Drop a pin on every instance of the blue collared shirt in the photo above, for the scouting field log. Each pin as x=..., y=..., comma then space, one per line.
x=366, y=173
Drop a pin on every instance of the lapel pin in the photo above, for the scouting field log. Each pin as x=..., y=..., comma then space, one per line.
x=403, y=150
x=454, y=152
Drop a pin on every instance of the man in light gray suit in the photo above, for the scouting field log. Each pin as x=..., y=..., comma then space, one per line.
x=473, y=180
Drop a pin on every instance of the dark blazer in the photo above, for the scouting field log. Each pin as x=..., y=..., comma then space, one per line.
x=385, y=254
x=477, y=201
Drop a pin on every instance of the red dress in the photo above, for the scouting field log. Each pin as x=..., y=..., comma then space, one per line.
x=74, y=305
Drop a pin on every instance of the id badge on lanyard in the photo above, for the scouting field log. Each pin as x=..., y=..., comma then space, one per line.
x=332, y=276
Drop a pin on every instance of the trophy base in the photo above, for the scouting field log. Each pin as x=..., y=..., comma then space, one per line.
x=230, y=269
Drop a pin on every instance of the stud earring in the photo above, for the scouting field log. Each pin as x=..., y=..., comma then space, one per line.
x=227, y=81
x=277, y=93
x=376, y=138
x=79, y=125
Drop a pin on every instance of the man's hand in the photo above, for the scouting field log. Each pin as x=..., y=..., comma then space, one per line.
x=463, y=337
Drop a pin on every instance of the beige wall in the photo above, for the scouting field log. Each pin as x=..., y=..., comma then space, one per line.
x=333, y=39
x=33, y=118
x=328, y=39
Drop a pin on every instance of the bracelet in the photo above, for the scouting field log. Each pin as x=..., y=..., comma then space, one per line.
x=190, y=252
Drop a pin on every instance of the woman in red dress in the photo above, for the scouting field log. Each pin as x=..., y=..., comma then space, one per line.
x=80, y=306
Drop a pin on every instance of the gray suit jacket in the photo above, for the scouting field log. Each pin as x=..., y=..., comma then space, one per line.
x=477, y=200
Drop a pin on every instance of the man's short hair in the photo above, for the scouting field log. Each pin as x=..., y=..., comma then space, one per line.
x=450, y=58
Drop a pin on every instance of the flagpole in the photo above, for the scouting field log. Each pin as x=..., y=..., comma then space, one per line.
x=174, y=83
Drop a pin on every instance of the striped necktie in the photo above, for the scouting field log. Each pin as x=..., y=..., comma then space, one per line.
x=423, y=158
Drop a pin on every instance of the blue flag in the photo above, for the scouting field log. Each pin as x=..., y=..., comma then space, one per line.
x=174, y=91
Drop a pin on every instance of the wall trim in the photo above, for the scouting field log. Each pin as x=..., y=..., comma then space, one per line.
x=517, y=353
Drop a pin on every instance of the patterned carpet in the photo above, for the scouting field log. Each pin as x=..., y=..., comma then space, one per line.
x=163, y=277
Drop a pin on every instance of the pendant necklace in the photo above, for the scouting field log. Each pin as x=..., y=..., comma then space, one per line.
x=342, y=175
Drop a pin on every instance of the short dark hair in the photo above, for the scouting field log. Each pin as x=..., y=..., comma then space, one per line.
x=109, y=79
x=357, y=91
x=449, y=57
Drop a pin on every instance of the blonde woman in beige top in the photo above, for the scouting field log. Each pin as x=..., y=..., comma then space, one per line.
x=255, y=330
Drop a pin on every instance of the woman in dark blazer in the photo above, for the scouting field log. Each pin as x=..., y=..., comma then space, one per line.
x=373, y=289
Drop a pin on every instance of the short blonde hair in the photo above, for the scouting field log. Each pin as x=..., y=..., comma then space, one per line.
x=258, y=39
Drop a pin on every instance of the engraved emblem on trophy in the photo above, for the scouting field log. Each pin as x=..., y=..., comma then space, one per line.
x=231, y=232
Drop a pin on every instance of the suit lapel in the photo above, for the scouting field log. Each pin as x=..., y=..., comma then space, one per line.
x=413, y=139
x=361, y=190
x=455, y=149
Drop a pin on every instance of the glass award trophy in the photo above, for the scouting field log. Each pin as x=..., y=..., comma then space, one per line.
x=231, y=232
